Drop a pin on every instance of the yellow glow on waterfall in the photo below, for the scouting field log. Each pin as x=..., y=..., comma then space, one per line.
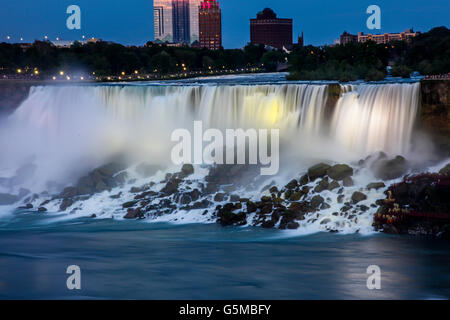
x=272, y=113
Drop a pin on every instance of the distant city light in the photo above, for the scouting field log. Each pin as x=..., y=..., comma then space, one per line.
x=8, y=37
x=61, y=73
x=54, y=78
x=19, y=70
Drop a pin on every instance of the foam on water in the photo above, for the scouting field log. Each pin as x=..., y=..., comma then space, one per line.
x=66, y=131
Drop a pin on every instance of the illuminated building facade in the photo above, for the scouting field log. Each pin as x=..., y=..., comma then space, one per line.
x=378, y=38
x=210, y=25
x=271, y=31
x=176, y=21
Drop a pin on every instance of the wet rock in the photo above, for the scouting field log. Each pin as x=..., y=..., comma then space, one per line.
x=133, y=214
x=299, y=207
x=69, y=192
x=333, y=185
x=266, y=199
x=340, y=198
x=304, y=180
x=324, y=206
x=273, y=189
x=358, y=196
x=65, y=204
x=316, y=201
x=347, y=182
x=194, y=194
x=145, y=194
x=251, y=207
x=268, y=224
x=318, y=171
x=292, y=225
x=288, y=219
x=42, y=209
x=129, y=204
x=171, y=186
x=292, y=184
x=295, y=196
x=116, y=196
x=108, y=170
x=187, y=169
x=234, y=198
x=376, y=185
x=226, y=217
x=287, y=194
x=219, y=197
x=185, y=199
x=203, y=204
x=267, y=208
x=7, y=199
x=323, y=185
x=340, y=172
x=390, y=169
x=27, y=206
x=93, y=215
x=325, y=221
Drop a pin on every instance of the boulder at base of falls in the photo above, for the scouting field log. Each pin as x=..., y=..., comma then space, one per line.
x=418, y=205
x=376, y=185
x=187, y=169
x=318, y=171
x=7, y=199
x=316, y=201
x=340, y=172
x=134, y=214
x=358, y=196
x=227, y=217
x=390, y=169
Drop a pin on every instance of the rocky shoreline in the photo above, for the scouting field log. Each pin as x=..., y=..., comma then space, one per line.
x=325, y=195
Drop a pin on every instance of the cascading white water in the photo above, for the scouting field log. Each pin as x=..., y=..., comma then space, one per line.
x=67, y=130
x=370, y=118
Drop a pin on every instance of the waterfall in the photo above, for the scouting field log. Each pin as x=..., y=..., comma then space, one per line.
x=67, y=130
x=369, y=118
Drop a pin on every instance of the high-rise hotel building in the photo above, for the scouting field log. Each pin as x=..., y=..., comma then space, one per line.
x=210, y=25
x=176, y=20
x=271, y=31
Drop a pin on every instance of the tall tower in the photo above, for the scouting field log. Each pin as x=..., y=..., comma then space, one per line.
x=162, y=14
x=181, y=21
x=176, y=17
x=210, y=25
x=193, y=8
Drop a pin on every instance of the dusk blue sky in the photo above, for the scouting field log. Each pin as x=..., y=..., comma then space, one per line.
x=131, y=21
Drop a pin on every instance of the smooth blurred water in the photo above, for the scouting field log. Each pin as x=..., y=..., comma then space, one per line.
x=140, y=260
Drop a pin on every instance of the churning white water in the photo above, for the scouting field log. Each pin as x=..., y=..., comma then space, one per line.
x=68, y=130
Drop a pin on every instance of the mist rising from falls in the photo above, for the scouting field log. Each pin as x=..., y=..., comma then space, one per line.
x=68, y=130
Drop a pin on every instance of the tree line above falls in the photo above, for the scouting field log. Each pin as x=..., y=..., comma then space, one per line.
x=428, y=53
